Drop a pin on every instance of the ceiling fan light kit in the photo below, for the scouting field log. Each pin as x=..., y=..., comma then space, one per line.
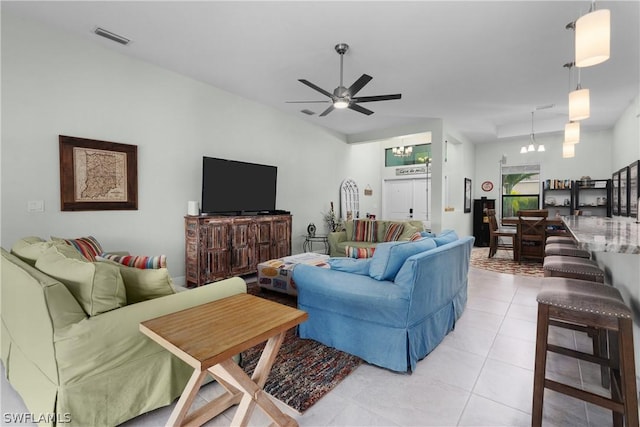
x=343, y=97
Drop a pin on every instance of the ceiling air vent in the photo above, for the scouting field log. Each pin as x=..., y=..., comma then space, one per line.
x=112, y=36
x=307, y=112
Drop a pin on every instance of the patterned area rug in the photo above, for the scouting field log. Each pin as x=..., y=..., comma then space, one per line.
x=304, y=370
x=502, y=262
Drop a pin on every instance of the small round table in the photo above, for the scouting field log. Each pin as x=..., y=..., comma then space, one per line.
x=307, y=245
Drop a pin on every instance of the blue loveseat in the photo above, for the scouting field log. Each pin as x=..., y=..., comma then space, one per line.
x=392, y=309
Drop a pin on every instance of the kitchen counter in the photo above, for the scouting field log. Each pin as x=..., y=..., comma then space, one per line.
x=602, y=234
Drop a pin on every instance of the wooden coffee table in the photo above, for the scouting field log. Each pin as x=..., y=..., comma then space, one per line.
x=208, y=336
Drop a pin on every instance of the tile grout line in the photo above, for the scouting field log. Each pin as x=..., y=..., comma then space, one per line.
x=484, y=362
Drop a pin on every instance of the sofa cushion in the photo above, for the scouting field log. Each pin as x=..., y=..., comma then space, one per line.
x=97, y=286
x=88, y=246
x=350, y=265
x=446, y=236
x=393, y=232
x=356, y=252
x=29, y=249
x=389, y=256
x=365, y=230
x=144, y=284
x=141, y=262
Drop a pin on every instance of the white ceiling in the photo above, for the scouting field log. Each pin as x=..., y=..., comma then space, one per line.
x=481, y=66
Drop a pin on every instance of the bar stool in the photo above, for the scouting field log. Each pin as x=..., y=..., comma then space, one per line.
x=572, y=268
x=593, y=305
x=561, y=239
x=563, y=249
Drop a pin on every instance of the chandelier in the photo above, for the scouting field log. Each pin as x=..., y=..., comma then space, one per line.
x=402, y=151
x=532, y=143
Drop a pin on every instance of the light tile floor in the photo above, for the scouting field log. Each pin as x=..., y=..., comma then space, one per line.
x=480, y=375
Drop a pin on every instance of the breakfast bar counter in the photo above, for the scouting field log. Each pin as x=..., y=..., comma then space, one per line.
x=602, y=234
x=614, y=244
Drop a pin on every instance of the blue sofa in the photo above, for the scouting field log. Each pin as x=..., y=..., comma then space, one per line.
x=392, y=309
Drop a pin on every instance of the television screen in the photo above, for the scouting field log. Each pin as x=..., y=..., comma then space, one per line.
x=234, y=187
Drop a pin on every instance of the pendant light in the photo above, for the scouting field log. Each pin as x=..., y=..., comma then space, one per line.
x=568, y=150
x=572, y=132
x=571, y=129
x=593, y=37
x=532, y=144
x=579, y=103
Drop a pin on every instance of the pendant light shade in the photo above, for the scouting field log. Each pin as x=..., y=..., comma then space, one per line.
x=541, y=148
x=531, y=147
x=568, y=150
x=579, y=104
x=593, y=36
x=523, y=150
x=572, y=133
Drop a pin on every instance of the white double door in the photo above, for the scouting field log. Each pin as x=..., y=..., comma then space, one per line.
x=406, y=199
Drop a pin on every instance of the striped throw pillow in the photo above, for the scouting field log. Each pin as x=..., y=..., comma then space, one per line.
x=142, y=262
x=353, y=252
x=394, y=230
x=364, y=230
x=87, y=246
x=415, y=236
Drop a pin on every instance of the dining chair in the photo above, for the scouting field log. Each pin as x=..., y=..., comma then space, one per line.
x=497, y=236
x=532, y=233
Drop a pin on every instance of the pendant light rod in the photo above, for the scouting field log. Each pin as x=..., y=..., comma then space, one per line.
x=532, y=135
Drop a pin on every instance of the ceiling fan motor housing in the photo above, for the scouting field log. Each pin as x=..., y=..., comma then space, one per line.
x=342, y=48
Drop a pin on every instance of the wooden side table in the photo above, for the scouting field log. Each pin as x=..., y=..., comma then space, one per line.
x=208, y=336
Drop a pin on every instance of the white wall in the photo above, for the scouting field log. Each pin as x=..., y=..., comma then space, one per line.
x=626, y=137
x=53, y=84
x=458, y=164
x=592, y=158
x=363, y=165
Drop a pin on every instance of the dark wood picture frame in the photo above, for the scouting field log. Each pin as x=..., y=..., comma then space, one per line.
x=117, y=189
x=634, y=190
x=467, y=195
x=615, y=193
x=624, y=191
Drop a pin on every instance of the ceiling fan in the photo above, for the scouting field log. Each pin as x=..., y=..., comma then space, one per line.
x=343, y=97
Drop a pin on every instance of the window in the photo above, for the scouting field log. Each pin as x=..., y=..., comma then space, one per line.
x=419, y=155
x=520, y=189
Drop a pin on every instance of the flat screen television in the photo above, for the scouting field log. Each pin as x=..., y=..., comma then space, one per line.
x=236, y=188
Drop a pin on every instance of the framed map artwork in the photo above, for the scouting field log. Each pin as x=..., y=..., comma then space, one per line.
x=97, y=175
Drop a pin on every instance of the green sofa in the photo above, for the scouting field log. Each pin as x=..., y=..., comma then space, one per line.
x=84, y=370
x=339, y=240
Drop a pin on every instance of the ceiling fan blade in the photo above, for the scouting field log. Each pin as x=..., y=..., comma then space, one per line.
x=327, y=111
x=377, y=98
x=312, y=86
x=359, y=109
x=359, y=84
x=305, y=102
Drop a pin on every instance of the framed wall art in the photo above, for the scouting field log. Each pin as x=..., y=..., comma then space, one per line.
x=467, y=195
x=624, y=191
x=634, y=190
x=615, y=190
x=97, y=175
